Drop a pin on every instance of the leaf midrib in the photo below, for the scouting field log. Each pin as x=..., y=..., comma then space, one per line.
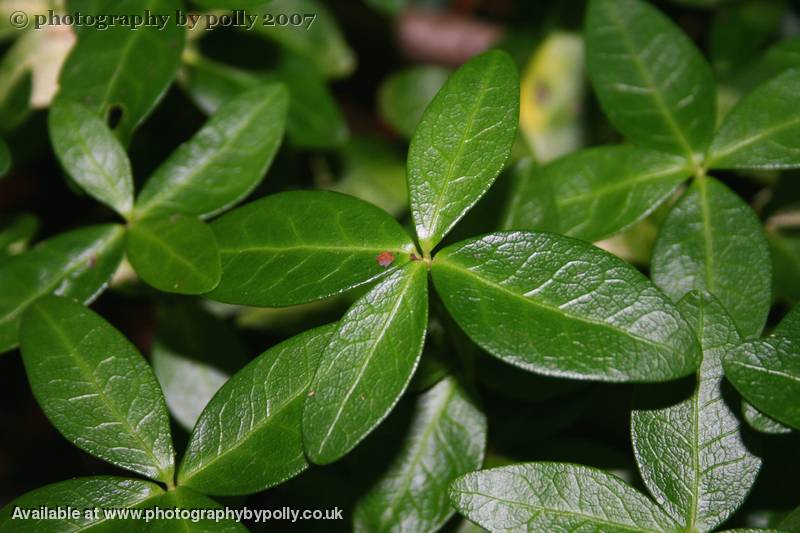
x=63, y=274
x=383, y=328
x=434, y=222
x=422, y=443
x=612, y=187
x=442, y=261
x=89, y=373
x=169, y=193
x=549, y=510
x=657, y=98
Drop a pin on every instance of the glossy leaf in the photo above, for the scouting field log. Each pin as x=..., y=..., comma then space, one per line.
x=77, y=264
x=767, y=372
x=193, y=355
x=95, y=387
x=711, y=240
x=691, y=454
x=367, y=364
x=404, y=95
x=248, y=437
x=105, y=69
x=559, y=306
x=91, y=155
x=555, y=497
x=175, y=254
x=446, y=439
x=762, y=130
x=319, y=40
x=652, y=83
x=601, y=191
x=761, y=422
x=102, y=492
x=299, y=246
x=462, y=143
x=223, y=162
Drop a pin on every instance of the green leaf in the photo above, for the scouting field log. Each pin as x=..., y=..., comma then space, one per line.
x=317, y=39
x=761, y=130
x=712, y=241
x=191, y=502
x=105, y=70
x=95, y=387
x=367, y=364
x=785, y=252
x=77, y=264
x=299, y=246
x=780, y=57
x=602, y=191
x=652, y=83
x=767, y=372
x=559, y=306
x=223, y=162
x=761, y=422
x=102, y=492
x=193, y=355
x=5, y=158
x=791, y=523
x=91, y=155
x=555, y=497
x=462, y=143
x=691, y=453
x=248, y=437
x=16, y=232
x=175, y=254
x=446, y=439
x=404, y=95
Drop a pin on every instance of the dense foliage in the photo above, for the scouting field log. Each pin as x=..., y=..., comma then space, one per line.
x=572, y=308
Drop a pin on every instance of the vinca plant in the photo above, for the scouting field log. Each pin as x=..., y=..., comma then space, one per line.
x=563, y=310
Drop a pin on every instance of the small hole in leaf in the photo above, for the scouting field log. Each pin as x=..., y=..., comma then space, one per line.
x=114, y=116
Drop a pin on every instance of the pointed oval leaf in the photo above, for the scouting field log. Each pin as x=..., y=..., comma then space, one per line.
x=105, y=69
x=187, y=500
x=248, y=437
x=767, y=372
x=77, y=263
x=652, y=83
x=91, y=154
x=194, y=353
x=223, y=162
x=446, y=439
x=462, y=143
x=175, y=254
x=762, y=130
x=531, y=202
x=555, y=497
x=367, y=364
x=559, y=306
x=299, y=246
x=761, y=422
x=95, y=387
x=712, y=241
x=691, y=454
x=102, y=492
x=602, y=191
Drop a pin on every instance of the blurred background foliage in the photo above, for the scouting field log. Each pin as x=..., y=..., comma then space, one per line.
x=359, y=79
